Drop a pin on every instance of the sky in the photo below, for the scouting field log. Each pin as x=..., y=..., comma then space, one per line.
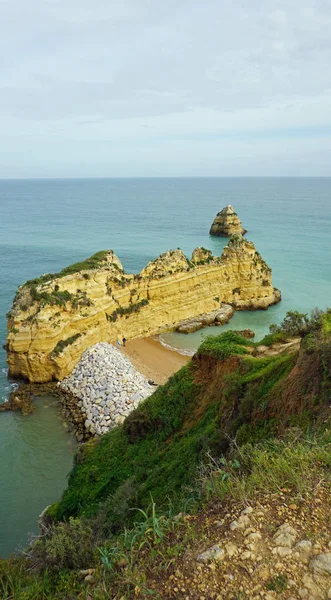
x=130, y=88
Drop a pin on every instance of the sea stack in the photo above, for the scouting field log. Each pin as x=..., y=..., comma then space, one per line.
x=227, y=223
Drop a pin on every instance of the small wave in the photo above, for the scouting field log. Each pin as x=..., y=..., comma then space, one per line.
x=8, y=387
x=174, y=349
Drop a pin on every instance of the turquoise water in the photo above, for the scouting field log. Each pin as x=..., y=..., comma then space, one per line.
x=48, y=224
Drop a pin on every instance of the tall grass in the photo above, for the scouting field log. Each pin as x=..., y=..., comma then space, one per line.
x=300, y=464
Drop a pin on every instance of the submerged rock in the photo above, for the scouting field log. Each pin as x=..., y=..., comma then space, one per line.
x=227, y=223
x=20, y=400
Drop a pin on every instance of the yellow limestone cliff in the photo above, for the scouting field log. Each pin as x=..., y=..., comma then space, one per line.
x=55, y=318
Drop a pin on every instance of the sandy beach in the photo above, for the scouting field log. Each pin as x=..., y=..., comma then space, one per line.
x=154, y=360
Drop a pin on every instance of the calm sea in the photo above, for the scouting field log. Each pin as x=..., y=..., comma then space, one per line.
x=47, y=224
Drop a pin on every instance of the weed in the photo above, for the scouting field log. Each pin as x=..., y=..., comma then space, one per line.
x=62, y=344
x=277, y=584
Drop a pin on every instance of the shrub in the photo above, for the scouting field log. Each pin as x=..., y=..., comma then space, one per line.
x=126, y=310
x=66, y=546
x=224, y=345
x=296, y=324
x=62, y=344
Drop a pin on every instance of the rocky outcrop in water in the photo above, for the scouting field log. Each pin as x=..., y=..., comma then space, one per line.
x=216, y=317
x=227, y=223
x=55, y=318
x=107, y=387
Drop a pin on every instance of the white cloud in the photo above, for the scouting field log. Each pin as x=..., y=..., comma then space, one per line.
x=159, y=76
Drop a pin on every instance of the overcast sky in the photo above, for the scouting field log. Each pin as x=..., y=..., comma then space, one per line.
x=165, y=88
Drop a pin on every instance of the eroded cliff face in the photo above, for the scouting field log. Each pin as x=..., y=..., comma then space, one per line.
x=55, y=318
x=227, y=223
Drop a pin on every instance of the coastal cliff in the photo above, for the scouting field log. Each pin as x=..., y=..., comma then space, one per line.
x=55, y=318
x=227, y=223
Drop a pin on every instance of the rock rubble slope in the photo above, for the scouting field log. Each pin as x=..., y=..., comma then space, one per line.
x=107, y=386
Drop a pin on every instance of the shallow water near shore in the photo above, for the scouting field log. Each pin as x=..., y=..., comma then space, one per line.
x=39, y=445
x=48, y=224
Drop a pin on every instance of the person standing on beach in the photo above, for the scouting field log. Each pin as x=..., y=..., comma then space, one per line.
x=124, y=341
x=118, y=343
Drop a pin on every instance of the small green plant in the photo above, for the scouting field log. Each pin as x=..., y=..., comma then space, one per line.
x=62, y=344
x=278, y=583
x=126, y=310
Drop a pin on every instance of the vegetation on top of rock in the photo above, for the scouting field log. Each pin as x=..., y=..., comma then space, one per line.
x=94, y=262
x=222, y=346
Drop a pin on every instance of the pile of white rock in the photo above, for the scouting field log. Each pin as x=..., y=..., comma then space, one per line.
x=107, y=387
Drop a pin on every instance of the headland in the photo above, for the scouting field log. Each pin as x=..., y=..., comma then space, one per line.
x=56, y=317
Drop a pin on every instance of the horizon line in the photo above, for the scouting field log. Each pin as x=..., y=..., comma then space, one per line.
x=107, y=177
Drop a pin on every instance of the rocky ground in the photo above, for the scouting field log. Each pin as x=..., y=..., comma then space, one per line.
x=271, y=548
x=107, y=387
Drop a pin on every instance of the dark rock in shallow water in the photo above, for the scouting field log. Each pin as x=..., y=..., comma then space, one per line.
x=19, y=401
x=22, y=399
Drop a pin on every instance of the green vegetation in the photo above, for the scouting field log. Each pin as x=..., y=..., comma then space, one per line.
x=59, y=298
x=300, y=324
x=271, y=465
x=201, y=409
x=228, y=426
x=133, y=307
x=94, y=262
x=62, y=344
x=224, y=345
x=53, y=298
x=278, y=584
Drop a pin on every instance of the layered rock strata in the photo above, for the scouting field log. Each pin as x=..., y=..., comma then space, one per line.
x=227, y=223
x=55, y=318
x=107, y=387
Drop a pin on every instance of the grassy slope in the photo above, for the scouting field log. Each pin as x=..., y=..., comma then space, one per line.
x=223, y=394
x=223, y=400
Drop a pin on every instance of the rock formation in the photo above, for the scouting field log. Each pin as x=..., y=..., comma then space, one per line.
x=55, y=318
x=227, y=223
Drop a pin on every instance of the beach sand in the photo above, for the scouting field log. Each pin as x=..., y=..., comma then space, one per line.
x=154, y=360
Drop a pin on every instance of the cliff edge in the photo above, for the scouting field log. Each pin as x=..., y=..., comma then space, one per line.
x=56, y=317
x=227, y=223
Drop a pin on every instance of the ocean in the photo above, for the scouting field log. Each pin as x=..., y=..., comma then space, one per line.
x=48, y=224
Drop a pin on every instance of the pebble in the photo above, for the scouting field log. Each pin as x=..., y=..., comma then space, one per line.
x=107, y=386
x=215, y=553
